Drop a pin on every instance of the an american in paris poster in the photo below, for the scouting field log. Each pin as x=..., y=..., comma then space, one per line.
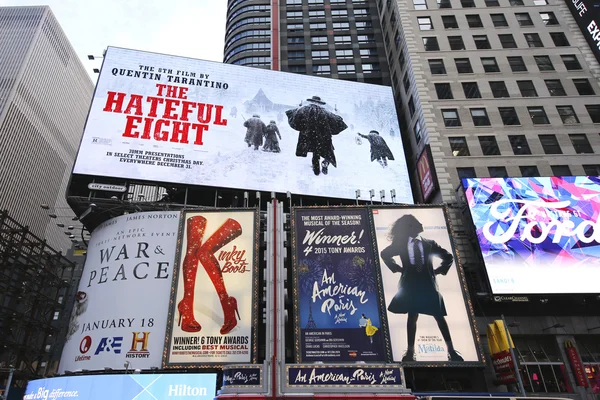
x=426, y=311
x=335, y=287
x=213, y=305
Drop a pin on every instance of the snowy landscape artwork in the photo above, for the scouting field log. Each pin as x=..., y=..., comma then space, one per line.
x=162, y=118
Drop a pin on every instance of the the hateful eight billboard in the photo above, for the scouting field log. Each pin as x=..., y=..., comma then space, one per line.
x=172, y=119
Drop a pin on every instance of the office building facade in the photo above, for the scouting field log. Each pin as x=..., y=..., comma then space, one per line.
x=44, y=98
x=331, y=38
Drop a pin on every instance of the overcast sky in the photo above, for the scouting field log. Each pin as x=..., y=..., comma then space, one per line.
x=191, y=28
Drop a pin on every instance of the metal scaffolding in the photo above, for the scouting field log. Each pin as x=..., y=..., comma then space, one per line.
x=35, y=282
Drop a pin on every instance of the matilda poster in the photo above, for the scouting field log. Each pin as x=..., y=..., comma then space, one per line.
x=335, y=287
x=213, y=314
x=426, y=311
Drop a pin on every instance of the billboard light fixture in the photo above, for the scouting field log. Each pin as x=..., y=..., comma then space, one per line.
x=555, y=326
x=60, y=225
x=45, y=206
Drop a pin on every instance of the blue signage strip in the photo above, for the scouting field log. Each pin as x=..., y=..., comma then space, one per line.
x=338, y=317
x=124, y=387
x=242, y=376
x=331, y=376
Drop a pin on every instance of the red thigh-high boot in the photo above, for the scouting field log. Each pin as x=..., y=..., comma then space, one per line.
x=230, y=230
x=195, y=231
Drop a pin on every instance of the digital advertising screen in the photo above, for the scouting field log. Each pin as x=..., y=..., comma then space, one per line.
x=163, y=118
x=120, y=310
x=587, y=16
x=538, y=235
x=124, y=387
x=214, y=304
x=336, y=295
x=428, y=318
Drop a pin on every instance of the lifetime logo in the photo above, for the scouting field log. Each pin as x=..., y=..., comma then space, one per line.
x=139, y=345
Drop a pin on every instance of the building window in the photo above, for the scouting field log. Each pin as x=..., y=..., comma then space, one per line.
x=550, y=144
x=540, y=2
x=293, y=2
x=321, y=69
x=549, y=18
x=346, y=69
x=298, y=69
x=293, y=14
x=366, y=38
x=561, y=170
x=516, y=2
x=542, y=370
x=296, y=55
x=367, y=53
x=529, y=171
x=559, y=39
x=456, y=43
x=507, y=41
x=544, y=63
x=524, y=19
x=571, y=62
x=492, y=3
x=316, y=13
x=594, y=111
x=466, y=172
x=418, y=132
x=471, y=90
x=361, y=12
x=420, y=4
x=467, y=3
x=555, y=88
x=482, y=42
x=406, y=82
x=519, y=145
x=538, y=115
x=451, y=117
x=591, y=169
x=340, y=25
x=533, y=40
x=444, y=91
x=371, y=68
x=449, y=22
x=459, y=146
x=437, y=67
x=339, y=13
x=584, y=87
x=319, y=26
x=295, y=41
x=411, y=107
x=480, y=117
x=509, y=116
x=498, y=172
x=516, y=64
x=425, y=23
x=431, y=44
x=463, y=65
x=581, y=144
x=499, y=20
x=499, y=89
x=319, y=39
x=527, y=89
x=295, y=27
x=444, y=4
x=344, y=39
x=474, y=21
x=324, y=54
x=490, y=64
x=567, y=114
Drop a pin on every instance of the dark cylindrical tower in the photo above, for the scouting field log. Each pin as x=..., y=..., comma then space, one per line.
x=248, y=33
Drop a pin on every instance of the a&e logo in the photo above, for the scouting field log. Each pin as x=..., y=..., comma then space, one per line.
x=109, y=344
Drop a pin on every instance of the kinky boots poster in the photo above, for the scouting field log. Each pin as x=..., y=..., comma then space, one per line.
x=213, y=304
x=336, y=296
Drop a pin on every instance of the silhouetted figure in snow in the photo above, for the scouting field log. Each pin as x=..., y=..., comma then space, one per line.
x=255, y=132
x=271, y=134
x=316, y=126
x=379, y=148
x=233, y=112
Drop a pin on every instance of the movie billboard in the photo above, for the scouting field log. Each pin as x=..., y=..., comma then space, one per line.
x=587, y=16
x=172, y=119
x=214, y=301
x=336, y=295
x=538, y=235
x=427, y=315
x=120, y=311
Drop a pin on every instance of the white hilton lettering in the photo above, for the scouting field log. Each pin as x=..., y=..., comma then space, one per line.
x=561, y=228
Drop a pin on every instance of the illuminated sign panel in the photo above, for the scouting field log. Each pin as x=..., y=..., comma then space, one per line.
x=172, y=119
x=538, y=235
x=587, y=16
